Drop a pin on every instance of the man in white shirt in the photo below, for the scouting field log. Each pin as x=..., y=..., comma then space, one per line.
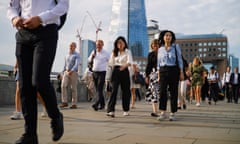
x=37, y=23
x=226, y=84
x=100, y=59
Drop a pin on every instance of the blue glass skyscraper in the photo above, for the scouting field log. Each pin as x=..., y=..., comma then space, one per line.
x=129, y=20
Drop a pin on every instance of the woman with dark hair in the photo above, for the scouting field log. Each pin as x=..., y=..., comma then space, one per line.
x=120, y=60
x=170, y=71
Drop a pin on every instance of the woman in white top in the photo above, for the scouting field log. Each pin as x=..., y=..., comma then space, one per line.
x=120, y=60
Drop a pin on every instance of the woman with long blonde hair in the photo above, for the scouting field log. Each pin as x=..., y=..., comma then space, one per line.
x=197, y=78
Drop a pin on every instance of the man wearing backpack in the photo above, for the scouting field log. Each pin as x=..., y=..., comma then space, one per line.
x=99, y=58
x=36, y=42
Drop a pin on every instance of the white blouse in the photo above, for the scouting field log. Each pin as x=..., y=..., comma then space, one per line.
x=122, y=58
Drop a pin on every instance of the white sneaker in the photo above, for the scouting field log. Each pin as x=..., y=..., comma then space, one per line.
x=111, y=114
x=16, y=116
x=125, y=113
x=198, y=104
x=172, y=117
x=162, y=117
x=43, y=114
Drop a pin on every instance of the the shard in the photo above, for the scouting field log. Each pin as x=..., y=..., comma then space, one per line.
x=129, y=20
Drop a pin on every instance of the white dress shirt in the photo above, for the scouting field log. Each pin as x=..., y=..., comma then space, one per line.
x=226, y=77
x=235, y=81
x=48, y=11
x=100, y=60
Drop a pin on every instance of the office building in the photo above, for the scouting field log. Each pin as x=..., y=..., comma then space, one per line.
x=211, y=48
x=129, y=20
x=233, y=62
x=86, y=47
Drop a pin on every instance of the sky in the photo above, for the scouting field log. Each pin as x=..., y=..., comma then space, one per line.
x=180, y=16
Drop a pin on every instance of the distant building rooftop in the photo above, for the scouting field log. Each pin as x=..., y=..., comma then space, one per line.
x=4, y=67
x=182, y=36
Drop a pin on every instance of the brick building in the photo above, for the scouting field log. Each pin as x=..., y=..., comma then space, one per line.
x=211, y=48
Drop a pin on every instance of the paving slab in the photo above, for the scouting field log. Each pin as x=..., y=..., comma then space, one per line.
x=207, y=124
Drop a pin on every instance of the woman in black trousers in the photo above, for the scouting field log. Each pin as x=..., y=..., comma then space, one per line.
x=120, y=60
x=170, y=71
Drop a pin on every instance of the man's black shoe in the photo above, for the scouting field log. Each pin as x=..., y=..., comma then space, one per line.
x=102, y=107
x=57, y=128
x=95, y=107
x=25, y=139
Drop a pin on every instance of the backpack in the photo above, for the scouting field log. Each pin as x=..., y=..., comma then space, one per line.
x=62, y=18
x=90, y=64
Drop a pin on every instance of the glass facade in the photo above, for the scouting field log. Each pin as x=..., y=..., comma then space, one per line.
x=129, y=20
x=87, y=46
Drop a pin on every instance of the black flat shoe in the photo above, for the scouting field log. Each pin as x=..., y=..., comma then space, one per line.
x=95, y=107
x=184, y=106
x=154, y=115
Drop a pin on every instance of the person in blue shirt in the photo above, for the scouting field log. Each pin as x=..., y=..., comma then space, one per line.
x=37, y=23
x=170, y=71
x=70, y=76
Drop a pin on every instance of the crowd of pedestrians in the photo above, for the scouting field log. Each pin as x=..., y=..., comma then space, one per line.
x=167, y=74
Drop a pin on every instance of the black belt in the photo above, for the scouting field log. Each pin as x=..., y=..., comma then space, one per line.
x=99, y=71
x=42, y=27
x=167, y=68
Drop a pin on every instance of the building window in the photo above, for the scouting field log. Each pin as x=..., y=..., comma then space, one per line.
x=205, y=44
x=224, y=43
x=209, y=55
x=209, y=44
x=224, y=49
x=205, y=49
x=200, y=49
x=219, y=43
x=199, y=44
x=214, y=43
x=209, y=49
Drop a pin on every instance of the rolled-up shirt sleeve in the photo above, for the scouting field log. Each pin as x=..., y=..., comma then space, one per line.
x=76, y=63
x=130, y=58
x=54, y=13
x=179, y=56
x=13, y=9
